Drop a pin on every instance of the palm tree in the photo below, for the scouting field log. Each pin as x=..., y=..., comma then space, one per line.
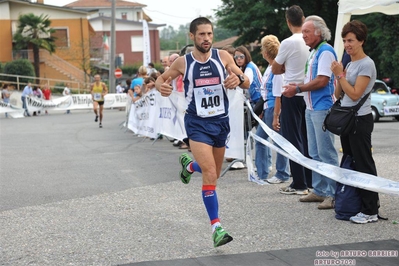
x=34, y=31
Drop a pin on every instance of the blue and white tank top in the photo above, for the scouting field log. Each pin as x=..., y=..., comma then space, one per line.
x=203, y=87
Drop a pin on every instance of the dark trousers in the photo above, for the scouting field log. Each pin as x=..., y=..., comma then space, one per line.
x=358, y=145
x=293, y=128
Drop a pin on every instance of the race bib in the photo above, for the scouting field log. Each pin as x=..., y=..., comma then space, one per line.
x=97, y=96
x=209, y=101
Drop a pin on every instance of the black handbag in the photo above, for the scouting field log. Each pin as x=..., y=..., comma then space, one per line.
x=258, y=108
x=341, y=120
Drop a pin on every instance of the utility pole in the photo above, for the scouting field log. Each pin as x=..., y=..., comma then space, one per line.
x=111, y=75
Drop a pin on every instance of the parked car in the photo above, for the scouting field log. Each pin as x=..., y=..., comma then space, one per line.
x=383, y=102
x=389, y=83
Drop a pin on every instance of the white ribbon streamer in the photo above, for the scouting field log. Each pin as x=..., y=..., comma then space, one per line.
x=344, y=176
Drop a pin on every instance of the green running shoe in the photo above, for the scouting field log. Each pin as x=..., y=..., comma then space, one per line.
x=185, y=175
x=220, y=237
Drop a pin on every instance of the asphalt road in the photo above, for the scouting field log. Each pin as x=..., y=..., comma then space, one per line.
x=75, y=194
x=55, y=157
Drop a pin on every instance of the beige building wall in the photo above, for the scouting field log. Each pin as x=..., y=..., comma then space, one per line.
x=74, y=22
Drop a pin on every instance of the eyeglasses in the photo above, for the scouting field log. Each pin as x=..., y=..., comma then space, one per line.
x=239, y=56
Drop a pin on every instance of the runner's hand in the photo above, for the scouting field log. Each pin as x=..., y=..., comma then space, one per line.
x=166, y=87
x=232, y=80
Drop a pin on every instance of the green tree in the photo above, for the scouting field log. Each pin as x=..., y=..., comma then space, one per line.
x=130, y=70
x=35, y=32
x=221, y=33
x=262, y=17
x=382, y=44
x=172, y=39
x=22, y=67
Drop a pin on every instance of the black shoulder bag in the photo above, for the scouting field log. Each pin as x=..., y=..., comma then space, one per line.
x=341, y=120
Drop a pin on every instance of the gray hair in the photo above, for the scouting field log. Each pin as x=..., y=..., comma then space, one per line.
x=320, y=26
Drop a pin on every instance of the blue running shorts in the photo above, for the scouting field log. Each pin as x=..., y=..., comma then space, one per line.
x=211, y=132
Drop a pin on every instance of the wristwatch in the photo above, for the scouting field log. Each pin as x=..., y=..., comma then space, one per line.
x=242, y=79
x=297, y=89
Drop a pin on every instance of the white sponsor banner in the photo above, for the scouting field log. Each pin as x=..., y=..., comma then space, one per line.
x=144, y=114
x=11, y=110
x=115, y=100
x=74, y=102
x=81, y=101
x=34, y=104
x=235, y=141
x=154, y=114
x=342, y=175
x=85, y=101
x=171, y=115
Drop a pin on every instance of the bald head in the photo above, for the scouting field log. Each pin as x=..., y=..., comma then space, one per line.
x=172, y=58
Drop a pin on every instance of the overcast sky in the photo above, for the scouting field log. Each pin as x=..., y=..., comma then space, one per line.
x=168, y=11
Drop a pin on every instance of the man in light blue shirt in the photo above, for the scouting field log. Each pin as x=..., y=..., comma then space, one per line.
x=26, y=92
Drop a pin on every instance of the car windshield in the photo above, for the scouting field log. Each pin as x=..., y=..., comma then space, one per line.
x=380, y=88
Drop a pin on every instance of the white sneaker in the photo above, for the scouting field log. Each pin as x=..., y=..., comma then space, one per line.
x=275, y=180
x=362, y=218
x=238, y=165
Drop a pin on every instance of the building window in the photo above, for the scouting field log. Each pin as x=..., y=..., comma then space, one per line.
x=138, y=14
x=137, y=43
x=124, y=15
x=61, y=37
x=100, y=14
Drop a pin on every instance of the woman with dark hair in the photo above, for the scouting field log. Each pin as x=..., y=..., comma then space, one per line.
x=243, y=60
x=37, y=92
x=354, y=83
x=128, y=84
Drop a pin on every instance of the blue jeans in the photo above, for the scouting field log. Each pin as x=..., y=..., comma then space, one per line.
x=6, y=100
x=24, y=105
x=321, y=148
x=263, y=155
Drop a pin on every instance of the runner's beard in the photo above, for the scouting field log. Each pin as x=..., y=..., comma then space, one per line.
x=202, y=50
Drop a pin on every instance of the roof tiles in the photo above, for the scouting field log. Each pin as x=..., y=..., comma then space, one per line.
x=103, y=3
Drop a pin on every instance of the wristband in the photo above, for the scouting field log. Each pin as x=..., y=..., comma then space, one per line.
x=342, y=75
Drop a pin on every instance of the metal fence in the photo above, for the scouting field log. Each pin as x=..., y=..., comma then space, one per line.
x=56, y=84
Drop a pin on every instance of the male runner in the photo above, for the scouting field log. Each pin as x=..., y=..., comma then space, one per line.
x=207, y=74
x=98, y=90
